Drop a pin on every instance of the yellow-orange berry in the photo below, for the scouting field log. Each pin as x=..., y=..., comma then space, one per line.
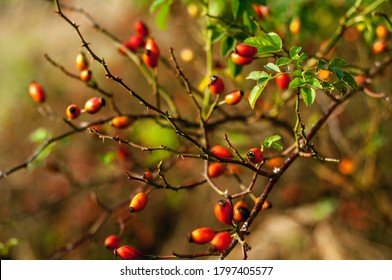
x=240, y=211
x=201, y=235
x=216, y=169
x=81, y=61
x=138, y=202
x=121, y=122
x=36, y=92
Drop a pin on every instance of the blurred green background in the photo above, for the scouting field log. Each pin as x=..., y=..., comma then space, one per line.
x=320, y=211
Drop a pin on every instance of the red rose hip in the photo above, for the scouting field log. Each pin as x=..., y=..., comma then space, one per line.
x=220, y=151
x=216, y=169
x=216, y=84
x=223, y=211
x=36, y=92
x=283, y=81
x=255, y=155
x=127, y=253
x=221, y=241
x=112, y=242
x=72, y=111
x=94, y=105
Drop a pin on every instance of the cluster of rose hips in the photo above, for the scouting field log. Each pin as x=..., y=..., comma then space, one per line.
x=82, y=64
x=217, y=86
x=243, y=54
x=215, y=169
x=137, y=204
x=140, y=40
x=380, y=45
x=112, y=242
x=227, y=214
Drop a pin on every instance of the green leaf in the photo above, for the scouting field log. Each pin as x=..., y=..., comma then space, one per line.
x=297, y=82
x=248, y=23
x=277, y=146
x=271, y=142
x=283, y=61
x=337, y=72
x=161, y=18
x=322, y=64
x=328, y=87
x=296, y=73
x=350, y=80
x=341, y=86
x=39, y=135
x=227, y=45
x=272, y=66
x=337, y=62
x=267, y=43
x=257, y=75
x=217, y=34
x=255, y=93
x=314, y=82
x=308, y=95
x=107, y=158
x=234, y=69
x=157, y=3
x=302, y=58
x=236, y=4
x=294, y=51
x=271, y=139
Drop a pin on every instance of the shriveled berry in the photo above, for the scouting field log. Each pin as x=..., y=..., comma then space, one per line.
x=240, y=211
x=141, y=28
x=245, y=50
x=216, y=84
x=36, y=92
x=127, y=253
x=138, y=202
x=216, y=169
x=72, y=111
x=240, y=60
x=112, y=242
x=221, y=241
x=223, y=211
x=255, y=155
x=121, y=122
x=81, y=61
x=201, y=235
x=234, y=97
x=221, y=151
x=94, y=105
